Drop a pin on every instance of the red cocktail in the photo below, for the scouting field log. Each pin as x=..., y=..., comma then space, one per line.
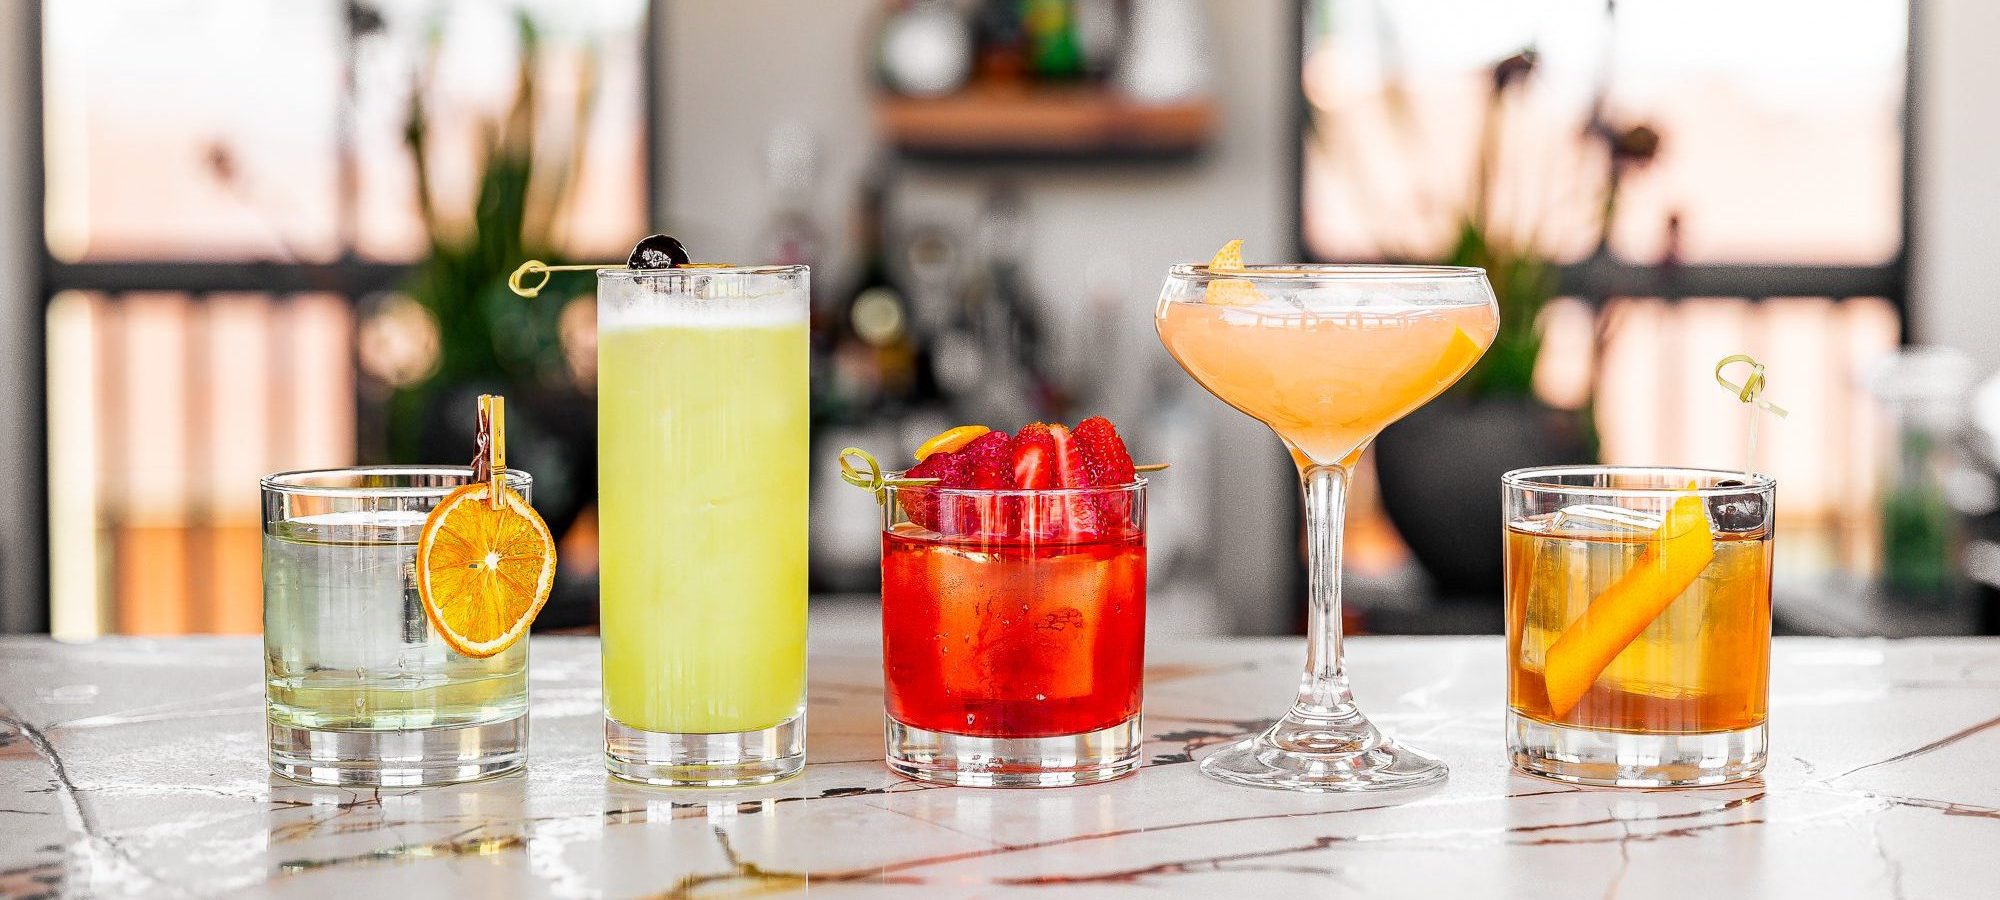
x=1013, y=624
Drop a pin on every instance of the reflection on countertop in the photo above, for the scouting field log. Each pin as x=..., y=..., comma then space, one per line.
x=136, y=767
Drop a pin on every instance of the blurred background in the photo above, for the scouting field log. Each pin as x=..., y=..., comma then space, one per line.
x=238, y=237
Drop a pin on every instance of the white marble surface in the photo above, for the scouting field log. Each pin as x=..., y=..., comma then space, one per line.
x=136, y=767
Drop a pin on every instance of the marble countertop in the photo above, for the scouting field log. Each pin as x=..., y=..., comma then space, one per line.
x=136, y=767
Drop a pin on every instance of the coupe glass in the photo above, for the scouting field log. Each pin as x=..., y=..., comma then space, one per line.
x=1327, y=356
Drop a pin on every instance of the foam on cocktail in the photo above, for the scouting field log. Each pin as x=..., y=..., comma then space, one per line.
x=634, y=304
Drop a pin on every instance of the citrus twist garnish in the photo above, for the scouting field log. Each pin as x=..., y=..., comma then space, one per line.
x=1229, y=258
x=1752, y=389
x=951, y=440
x=1671, y=559
x=1230, y=291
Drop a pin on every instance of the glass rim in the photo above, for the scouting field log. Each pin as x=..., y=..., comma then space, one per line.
x=632, y=274
x=1128, y=487
x=1536, y=478
x=1296, y=272
x=292, y=483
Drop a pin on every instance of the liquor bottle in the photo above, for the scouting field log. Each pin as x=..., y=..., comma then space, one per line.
x=879, y=390
x=1007, y=318
x=1003, y=47
x=1054, y=53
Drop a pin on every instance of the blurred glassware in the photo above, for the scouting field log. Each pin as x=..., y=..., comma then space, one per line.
x=792, y=236
x=1002, y=41
x=1016, y=382
x=1925, y=481
x=925, y=49
x=1166, y=51
x=875, y=385
x=1100, y=32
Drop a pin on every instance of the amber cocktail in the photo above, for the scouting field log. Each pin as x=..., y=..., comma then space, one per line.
x=1638, y=624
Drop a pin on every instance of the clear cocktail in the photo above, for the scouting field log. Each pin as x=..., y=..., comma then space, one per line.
x=359, y=688
x=1327, y=356
x=702, y=480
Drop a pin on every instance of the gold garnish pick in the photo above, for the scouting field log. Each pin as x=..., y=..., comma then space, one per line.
x=489, y=464
x=1752, y=388
x=875, y=481
x=1750, y=392
x=516, y=284
x=516, y=281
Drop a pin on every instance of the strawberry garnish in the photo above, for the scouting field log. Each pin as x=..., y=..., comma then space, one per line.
x=988, y=464
x=1034, y=454
x=1103, y=452
x=982, y=464
x=921, y=503
x=1071, y=470
x=1077, y=515
x=1041, y=457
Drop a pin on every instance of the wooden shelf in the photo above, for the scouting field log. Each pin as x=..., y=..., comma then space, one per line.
x=1043, y=123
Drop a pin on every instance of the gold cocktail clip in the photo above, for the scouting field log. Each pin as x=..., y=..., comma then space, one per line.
x=1751, y=392
x=1752, y=389
x=874, y=481
x=490, y=462
x=516, y=282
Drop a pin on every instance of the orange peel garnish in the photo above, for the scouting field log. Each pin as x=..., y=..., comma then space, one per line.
x=951, y=440
x=1230, y=291
x=1681, y=548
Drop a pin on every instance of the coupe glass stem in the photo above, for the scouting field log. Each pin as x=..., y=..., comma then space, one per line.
x=1323, y=692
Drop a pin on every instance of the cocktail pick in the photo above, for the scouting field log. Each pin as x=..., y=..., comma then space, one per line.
x=1751, y=393
x=517, y=282
x=489, y=462
x=874, y=480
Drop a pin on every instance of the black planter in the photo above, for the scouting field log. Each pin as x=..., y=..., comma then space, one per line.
x=1440, y=473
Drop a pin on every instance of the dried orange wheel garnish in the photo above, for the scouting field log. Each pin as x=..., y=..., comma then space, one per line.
x=484, y=572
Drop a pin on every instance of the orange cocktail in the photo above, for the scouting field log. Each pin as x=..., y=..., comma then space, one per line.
x=1327, y=356
x=1326, y=380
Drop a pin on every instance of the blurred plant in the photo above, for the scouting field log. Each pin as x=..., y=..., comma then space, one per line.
x=1510, y=248
x=527, y=170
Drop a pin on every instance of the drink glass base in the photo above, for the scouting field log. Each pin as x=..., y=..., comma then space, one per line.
x=1621, y=759
x=728, y=759
x=1316, y=755
x=406, y=758
x=968, y=761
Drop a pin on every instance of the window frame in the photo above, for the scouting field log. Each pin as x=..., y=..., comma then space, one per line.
x=1599, y=278
x=349, y=277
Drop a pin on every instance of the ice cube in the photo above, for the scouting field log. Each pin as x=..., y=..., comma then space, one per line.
x=1594, y=519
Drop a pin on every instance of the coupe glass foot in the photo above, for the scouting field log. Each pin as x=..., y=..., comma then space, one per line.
x=1324, y=756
